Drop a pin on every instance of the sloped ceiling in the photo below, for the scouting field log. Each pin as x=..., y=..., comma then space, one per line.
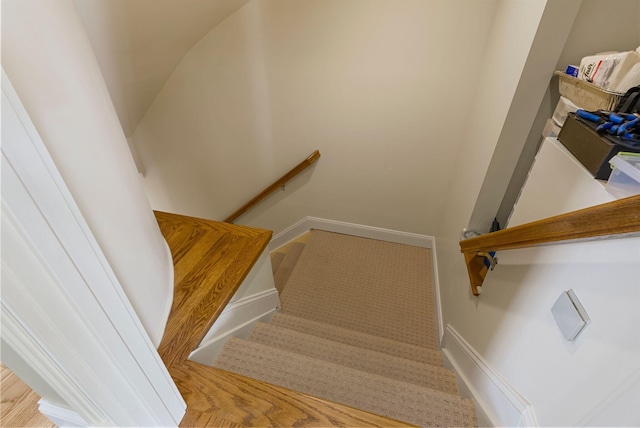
x=139, y=43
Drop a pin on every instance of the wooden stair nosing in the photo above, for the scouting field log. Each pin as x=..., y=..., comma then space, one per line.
x=239, y=399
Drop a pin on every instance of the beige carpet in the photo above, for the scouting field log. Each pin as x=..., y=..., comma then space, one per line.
x=375, y=287
x=362, y=340
x=377, y=394
x=285, y=265
x=380, y=363
x=357, y=327
x=276, y=261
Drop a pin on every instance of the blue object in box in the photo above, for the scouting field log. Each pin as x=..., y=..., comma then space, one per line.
x=572, y=70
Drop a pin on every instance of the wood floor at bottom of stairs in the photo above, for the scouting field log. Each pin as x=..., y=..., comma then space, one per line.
x=19, y=406
x=221, y=398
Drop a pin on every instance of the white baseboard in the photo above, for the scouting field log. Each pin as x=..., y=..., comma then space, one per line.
x=436, y=287
x=423, y=241
x=497, y=402
x=236, y=320
x=308, y=223
x=60, y=415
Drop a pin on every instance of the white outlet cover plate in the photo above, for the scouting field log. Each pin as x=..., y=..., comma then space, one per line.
x=570, y=315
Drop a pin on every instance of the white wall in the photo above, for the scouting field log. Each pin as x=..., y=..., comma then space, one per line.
x=49, y=60
x=498, y=99
x=381, y=88
x=584, y=39
x=139, y=43
x=63, y=310
x=528, y=38
x=511, y=326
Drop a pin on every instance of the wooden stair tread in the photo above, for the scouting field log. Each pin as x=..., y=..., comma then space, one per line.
x=211, y=259
x=250, y=402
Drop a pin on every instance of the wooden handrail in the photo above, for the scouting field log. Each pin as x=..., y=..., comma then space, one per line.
x=275, y=186
x=619, y=217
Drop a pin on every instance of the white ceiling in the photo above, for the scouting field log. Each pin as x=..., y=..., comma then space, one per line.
x=139, y=43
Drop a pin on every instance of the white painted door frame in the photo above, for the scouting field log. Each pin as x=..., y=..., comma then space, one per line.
x=63, y=310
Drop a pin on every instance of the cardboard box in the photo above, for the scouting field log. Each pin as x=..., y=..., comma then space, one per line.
x=590, y=148
x=586, y=95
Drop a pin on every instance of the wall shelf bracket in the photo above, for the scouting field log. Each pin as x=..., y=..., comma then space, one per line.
x=477, y=270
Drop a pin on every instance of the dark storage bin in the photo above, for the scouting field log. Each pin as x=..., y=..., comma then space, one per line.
x=590, y=148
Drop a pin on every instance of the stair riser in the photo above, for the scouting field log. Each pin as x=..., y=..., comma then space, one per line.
x=283, y=272
x=373, y=393
x=425, y=375
x=361, y=340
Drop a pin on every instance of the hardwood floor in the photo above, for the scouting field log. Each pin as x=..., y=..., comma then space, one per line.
x=19, y=403
x=211, y=260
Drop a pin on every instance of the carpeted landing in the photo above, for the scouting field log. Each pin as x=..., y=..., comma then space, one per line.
x=357, y=327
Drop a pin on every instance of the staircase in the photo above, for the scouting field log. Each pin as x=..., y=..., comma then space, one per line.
x=357, y=327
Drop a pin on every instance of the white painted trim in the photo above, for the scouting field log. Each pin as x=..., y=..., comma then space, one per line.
x=127, y=381
x=258, y=298
x=389, y=235
x=289, y=234
x=167, y=310
x=497, y=402
x=237, y=320
x=259, y=279
x=60, y=415
x=240, y=311
x=363, y=231
x=24, y=343
x=255, y=300
x=436, y=288
x=207, y=353
x=528, y=417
